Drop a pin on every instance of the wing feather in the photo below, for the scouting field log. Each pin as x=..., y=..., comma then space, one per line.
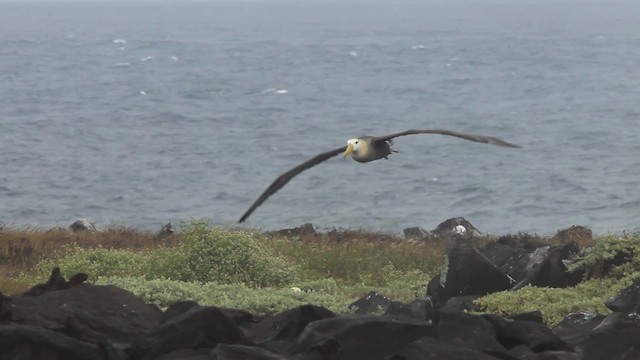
x=471, y=137
x=283, y=179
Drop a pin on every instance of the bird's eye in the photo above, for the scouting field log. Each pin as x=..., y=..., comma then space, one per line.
x=356, y=142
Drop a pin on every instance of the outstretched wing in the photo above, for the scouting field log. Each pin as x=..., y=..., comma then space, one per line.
x=283, y=179
x=472, y=137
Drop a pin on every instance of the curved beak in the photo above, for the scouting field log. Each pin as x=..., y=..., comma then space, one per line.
x=348, y=151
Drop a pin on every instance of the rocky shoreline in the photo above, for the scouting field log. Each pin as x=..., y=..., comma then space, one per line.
x=70, y=319
x=105, y=322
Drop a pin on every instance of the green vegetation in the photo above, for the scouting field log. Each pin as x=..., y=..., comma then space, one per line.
x=249, y=270
x=266, y=274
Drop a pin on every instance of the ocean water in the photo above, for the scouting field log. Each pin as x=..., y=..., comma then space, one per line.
x=141, y=113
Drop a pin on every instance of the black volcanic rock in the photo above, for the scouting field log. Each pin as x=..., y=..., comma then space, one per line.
x=469, y=331
x=56, y=282
x=236, y=352
x=466, y=271
x=36, y=342
x=198, y=327
x=371, y=303
x=289, y=324
x=461, y=303
x=187, y=354
x=114, y=313
x=545, y=268
x=534, y=316
x=418, y=309
x=82, y=225
x=617, y=343
x=415, y=232
x=166, y=231
x=4, y=311
x=445, y=227
x=428, y=348
x=627, y=301
x=576, y=325
x=358, y=337
x=302, y=230
x=176, y=309
x=522, y=241
x=534, y=335
x=511, y=259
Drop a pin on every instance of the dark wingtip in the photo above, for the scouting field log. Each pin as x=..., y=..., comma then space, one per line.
x=499, y=142
x=243, y=218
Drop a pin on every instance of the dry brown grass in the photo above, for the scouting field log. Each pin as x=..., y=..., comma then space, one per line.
x=23, y=248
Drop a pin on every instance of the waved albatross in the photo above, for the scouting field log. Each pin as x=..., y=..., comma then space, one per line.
x=362, y=149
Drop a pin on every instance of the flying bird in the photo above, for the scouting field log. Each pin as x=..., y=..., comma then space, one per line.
x=362, y=149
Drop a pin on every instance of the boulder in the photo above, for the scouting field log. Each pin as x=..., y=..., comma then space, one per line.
x=428, y=348
x=546, y=268
x=445, y=227
x=620, y=342
x=466, y=271
x=56, y=282
x=469, y=331
x=418, y=309
x=521, y=240
x=187, y=354
x=4, y=311
x=300, y=231
x=198, y=327
x=530, y=264
x=415, y=232
x=358, y=337
x=36, y=342
x=461, y=303
x=289, y=324
x=575, y=233
x=511, y=259
x=115, y=314
x=534, y=316
x=575, y=325
x=371, y=303
x=235, y=352
x=166, y=231
x=82, y=225
x=534, y=335
x=627, y=301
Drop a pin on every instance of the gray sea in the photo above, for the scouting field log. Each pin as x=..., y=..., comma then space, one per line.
x=142, y=113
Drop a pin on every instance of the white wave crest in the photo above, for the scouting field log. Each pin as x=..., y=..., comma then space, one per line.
x=274, y=91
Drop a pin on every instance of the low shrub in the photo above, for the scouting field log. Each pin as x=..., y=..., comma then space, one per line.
x=230, y=257
x=258, y=301
x=204, y=255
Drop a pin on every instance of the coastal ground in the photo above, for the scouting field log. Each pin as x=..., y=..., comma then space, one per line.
x=268, y=273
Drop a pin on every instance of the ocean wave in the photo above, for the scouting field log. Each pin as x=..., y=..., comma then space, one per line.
x=274, y=91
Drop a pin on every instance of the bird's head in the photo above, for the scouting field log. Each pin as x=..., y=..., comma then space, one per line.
x=353, y=147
